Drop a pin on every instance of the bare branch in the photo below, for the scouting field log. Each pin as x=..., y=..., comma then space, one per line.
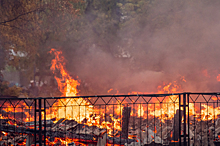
x=20, y=16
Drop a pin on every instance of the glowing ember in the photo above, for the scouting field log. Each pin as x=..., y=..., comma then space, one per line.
x=155, y=129
x=174, y=141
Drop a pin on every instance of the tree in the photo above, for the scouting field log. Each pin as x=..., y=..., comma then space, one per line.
x=28, y=25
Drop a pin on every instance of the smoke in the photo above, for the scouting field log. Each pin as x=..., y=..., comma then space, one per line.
x=171, y=40
x=189, y=45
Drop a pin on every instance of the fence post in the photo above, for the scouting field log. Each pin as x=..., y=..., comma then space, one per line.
x=45, y=122
x=184, y=115
x=35, y=121
x=180, y=119
x=40, y=123
x=38, y=109
x=188, y=119
x=183, y=106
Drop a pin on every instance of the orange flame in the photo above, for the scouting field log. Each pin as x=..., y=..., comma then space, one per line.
x=214, y=98
x=218, y=77
x=69, y=108
x=174, y=141
x=68, y=87
x=110, y=90
x=155, y=129
x=66, y=84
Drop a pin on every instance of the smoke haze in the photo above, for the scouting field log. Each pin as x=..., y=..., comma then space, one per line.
x=176, y=39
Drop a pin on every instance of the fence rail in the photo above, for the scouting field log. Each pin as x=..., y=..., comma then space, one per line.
x=150, y=119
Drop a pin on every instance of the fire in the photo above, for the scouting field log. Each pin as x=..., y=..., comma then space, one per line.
x=165, y=111
x=68, y=87
x=218, y=77
x=64, y=142
x=155, y=129
x=140, y=110
x=174, y=141
x=91, y=115
x=209, y=113
x=66, y=84
x=110, y=90
x=214, y=98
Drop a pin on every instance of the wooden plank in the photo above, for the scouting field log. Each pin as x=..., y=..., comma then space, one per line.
x=125, y=121
x=176, y=132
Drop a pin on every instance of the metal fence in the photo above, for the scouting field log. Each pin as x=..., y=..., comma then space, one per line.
x=150, y=119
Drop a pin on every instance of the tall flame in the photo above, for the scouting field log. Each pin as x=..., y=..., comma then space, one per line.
x=67, y=85
x=69, y=108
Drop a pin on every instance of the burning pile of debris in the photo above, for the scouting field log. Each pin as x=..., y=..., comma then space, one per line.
x=134, y=129
x=58, y=132
x=146, y=119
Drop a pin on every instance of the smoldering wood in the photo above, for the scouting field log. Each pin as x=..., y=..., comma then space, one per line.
x=72, y=133
x=58, y=122
x=3, y=121
x=90, y=137
x=102, y=140
x=16, y=139
x=118, y=140
x=73, y=144
x=125, y=121
x=90, y=134
x=12, y=121
x=176, y=125
x=19, y=115
x=30, y=140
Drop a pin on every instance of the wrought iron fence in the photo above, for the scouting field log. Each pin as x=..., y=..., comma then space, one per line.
x=150, y=119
